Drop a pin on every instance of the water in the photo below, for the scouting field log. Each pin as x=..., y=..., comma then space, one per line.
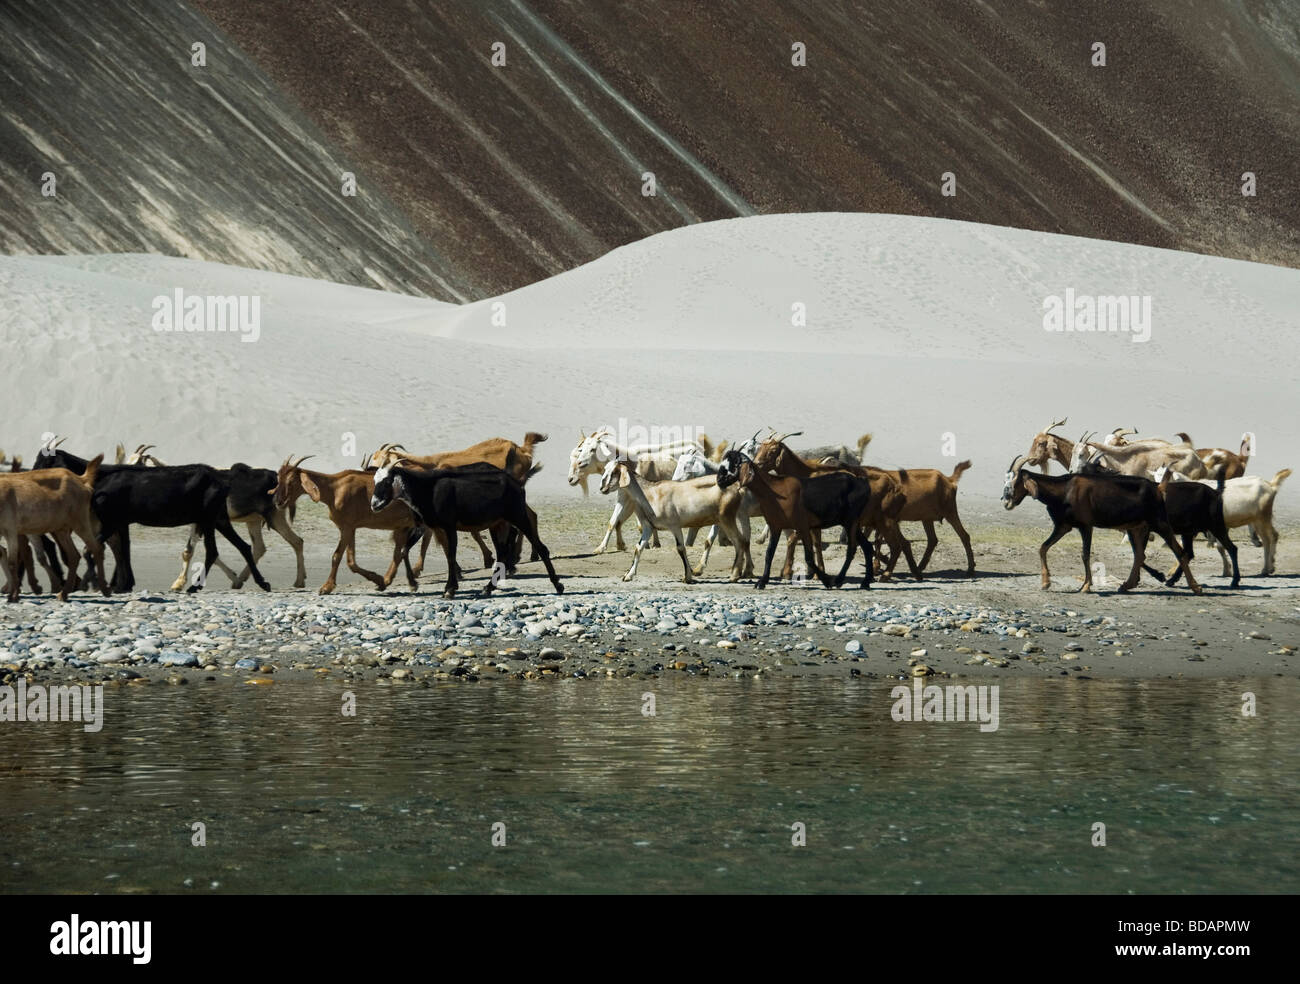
x=597, y=797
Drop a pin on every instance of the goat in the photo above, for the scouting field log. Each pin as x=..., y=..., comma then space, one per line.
x=1247, y=501
x=1047, y=447
x=885, y=505
x=1193, y=508
x=168, y=495
x=250, y=502
x=1086, y=501
x=452, y=499
x=57, y=502
x=654, y=463
x=931, y=497
x=1139, y=459
x=514, y=459
x=347, y=495
x=47, y=553
x=781, y=500
x=838, y=452
x=675, y=506
x=694, y=464
x=595, y=450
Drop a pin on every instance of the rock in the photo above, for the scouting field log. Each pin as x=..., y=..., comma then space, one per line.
x=115, y=655
x=173, y=658
x=921, y=670
x=853, y=646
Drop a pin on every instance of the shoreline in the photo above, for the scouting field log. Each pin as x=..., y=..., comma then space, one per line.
x=998, y=623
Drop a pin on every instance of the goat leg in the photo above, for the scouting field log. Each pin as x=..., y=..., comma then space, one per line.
x=1057, y=532
x=1167, y=535
x=225, y=529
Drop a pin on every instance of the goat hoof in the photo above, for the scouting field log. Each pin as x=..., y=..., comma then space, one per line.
x=193, y=588
x=264, y=585
x=300, y=584
x=326, y=589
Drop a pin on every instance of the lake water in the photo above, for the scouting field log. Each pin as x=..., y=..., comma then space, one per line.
x=596, y=796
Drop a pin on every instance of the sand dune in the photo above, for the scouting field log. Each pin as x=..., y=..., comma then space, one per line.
x=927, y=332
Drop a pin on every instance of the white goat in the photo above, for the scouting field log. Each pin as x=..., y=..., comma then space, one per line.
x=653, y=463
x=675, y=506
x=694, y=464
x=1139, y=458
x=1247, y=501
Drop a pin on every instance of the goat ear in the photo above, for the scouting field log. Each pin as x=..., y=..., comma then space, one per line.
x=309, y=487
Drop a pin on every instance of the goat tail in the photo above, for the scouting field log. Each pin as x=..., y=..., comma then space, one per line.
x=706, y=445
x=1280, y=477
x=92, y=471
x=531, y=438
x=533, y=471
x=413, y=537
x=955, y=477
x=863, y=441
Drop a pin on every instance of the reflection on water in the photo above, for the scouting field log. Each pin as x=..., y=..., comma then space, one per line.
x=597, y=797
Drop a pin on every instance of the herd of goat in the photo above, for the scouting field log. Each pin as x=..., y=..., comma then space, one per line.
x=1144, y=488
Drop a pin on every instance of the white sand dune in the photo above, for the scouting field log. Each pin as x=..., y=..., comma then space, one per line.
x=916, y=329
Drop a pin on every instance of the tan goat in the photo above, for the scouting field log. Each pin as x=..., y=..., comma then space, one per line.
x=54, y=501
x=346, y=495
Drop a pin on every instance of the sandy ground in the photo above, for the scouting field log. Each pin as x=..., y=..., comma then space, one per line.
x=1153, y=631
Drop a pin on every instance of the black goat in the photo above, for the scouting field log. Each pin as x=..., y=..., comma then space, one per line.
x=841, y=499
x=1192, y=509
x=168, y=495
x=471, y=498
x=1195, y=508
x=1084, y=501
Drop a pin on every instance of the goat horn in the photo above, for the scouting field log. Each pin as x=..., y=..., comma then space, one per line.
x=1059, y=423
x=57, y=443
x=298, y=463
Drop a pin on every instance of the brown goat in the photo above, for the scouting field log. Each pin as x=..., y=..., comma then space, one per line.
x=932, y=498
x=780, y=499
x=54, y=501
x=1047, y=446
x=346, y=495
x=882, y=513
